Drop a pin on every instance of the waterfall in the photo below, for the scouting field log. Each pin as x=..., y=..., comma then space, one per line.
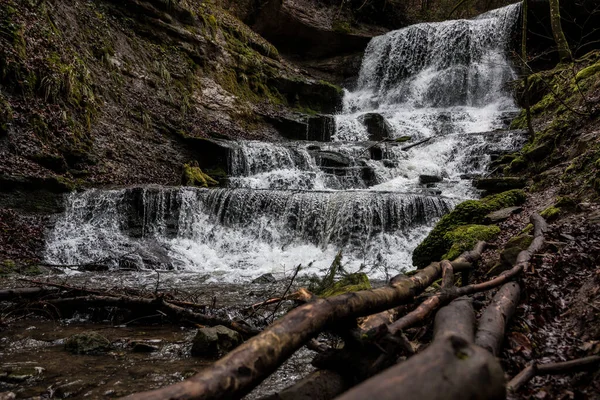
x=301, y=202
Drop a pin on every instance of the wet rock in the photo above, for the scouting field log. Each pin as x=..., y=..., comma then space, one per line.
x=318, y=128
x=149, y=346
x=390, y=163
x=377, y=126
x=70, y=389
x=212, y=342
x=502, y=215
x=318, y=96
x=368, y=175
x=88, y=343
x=7, y=396
x=425, y=179
x=498, y=185
x=266, y=278
x=330, y=159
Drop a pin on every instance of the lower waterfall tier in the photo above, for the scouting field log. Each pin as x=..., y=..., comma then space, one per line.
x=239, y=234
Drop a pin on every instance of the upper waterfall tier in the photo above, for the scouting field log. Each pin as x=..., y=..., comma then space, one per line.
x=409, y=75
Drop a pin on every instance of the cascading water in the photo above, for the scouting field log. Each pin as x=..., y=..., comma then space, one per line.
x=301, y=202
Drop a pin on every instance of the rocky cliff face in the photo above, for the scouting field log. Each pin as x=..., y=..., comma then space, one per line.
x=108, y=92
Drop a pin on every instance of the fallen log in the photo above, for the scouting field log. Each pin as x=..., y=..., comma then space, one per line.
x=241, y=370
x=566, y=367
x=448, y=293
x=452, y=367
x=458, y=319
x=26, y=293
x=150, y=306
x=86, y=291
x=495, y=317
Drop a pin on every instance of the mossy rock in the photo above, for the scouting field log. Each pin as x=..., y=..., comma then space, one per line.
x=513, y=247
x=88, y=343
x=522, y=242
x=193, y=176
x=469, y=212
x=466, y=237
x=551, y=213
x=349, y=283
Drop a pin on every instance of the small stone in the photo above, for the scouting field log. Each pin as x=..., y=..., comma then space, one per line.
x=266, y=278
x=7, y=396
x=502, y=215
x=212, y=342
x=88, y=343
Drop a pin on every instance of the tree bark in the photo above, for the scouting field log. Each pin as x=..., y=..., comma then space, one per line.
x=495, y=317
x=559, y=36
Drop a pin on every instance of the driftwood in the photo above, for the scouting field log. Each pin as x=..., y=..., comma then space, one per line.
x=246, y=366
x=452, y=367
x=495, y=317
x=149, y=306
x=373, y=327
x=26, y=293
x=581, y=364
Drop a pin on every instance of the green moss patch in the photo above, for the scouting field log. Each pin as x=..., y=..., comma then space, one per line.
x=551, y=213
x=349, y=283
x=466, y=237
x=193, y=176
x=469, y=212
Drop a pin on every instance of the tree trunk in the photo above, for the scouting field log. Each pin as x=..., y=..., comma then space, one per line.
x=559, y=36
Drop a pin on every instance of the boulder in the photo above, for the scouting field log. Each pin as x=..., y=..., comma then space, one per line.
x=88, y=343
x=502, y=215
x=215, y=341
x=377, y=126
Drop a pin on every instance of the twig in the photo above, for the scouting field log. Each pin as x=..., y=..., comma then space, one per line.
x=286, y=292
x=581, y=364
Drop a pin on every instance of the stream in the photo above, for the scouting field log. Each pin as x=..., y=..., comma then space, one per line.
x=286, y=204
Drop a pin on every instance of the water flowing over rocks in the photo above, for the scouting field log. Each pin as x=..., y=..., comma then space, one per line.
x=343, y=183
